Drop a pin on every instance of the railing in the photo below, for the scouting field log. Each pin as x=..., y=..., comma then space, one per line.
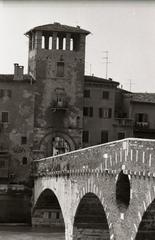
x=142, y=125
x=137, y=155
x=59, y=105
x=123, y=122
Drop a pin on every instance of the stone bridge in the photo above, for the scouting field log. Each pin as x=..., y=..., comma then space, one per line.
x=104, y=192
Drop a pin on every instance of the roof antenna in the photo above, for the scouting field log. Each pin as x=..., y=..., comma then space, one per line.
x=106, y=62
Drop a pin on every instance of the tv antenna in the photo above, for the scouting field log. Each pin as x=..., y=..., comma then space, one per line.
x=106, y=58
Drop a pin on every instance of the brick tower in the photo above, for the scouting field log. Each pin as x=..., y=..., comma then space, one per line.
x=56, y=63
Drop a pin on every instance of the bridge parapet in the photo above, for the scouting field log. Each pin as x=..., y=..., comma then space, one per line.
x=133, y=156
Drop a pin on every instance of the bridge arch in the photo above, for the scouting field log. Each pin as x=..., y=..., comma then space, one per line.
x=47, y=211
x=91, y=218
x=146, y=228
x=123, y=191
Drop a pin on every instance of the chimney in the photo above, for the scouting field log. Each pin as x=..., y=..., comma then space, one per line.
x=18, y=72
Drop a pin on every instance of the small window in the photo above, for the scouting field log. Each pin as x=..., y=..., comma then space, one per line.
x=24, y=160
x=88, y=111
x=104, y=136
x=141, y=117
x=85, y=137
x=60, y=69
x=9, y=93
x=2, y=163
x=105, y=113
x=87, y=93
x=105, y=95
x=5, y=117
x=1, y=93
x=23, y=140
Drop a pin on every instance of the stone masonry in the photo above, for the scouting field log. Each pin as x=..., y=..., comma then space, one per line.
x=105, y=191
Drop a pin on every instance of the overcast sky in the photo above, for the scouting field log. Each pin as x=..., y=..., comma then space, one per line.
x=124, y=28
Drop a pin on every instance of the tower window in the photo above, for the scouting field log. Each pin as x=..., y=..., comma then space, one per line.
x=43, y=42
x=60, y=69
x=105, y=95
x=71, y=44
x=5, y=117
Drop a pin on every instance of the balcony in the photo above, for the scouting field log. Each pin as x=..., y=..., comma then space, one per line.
x=59, y=105
x=123, y=122
x=142, y=125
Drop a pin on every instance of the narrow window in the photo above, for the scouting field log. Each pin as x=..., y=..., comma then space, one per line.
x=110, y=113
x=57, y=43
x=71, y=44
x=5, y=117
x=50, y=43
x=9, y=93
x=24, y=160
x=100, y=112
x=104, y=136
x=91, y=112
x=105, y=95
x=1, y=93
x=43, y=42
x=60, y=69
x=87, y=93
x=64, y=43
x=23, y=140
x=85, y=111
x=85, y=137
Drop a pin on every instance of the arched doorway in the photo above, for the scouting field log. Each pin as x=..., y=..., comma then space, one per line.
x=47, y=212
x=146, y=229
x=90, y=221
x=56, y=143
x=123, y=191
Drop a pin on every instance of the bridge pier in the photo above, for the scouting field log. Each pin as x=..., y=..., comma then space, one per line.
x=69, y=231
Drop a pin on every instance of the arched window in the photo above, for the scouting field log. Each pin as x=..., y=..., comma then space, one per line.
x=50, y=43
x=123, y=191
x=43, y=42
x=59, y=145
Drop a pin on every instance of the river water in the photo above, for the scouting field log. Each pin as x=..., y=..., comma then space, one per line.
x=28, y=233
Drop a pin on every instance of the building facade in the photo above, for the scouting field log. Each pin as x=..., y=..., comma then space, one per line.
x=55, y=108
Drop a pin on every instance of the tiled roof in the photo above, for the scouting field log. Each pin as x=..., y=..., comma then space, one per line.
x=57, y=27
x=97, y=80
x=9, y=78
x=143, y=97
